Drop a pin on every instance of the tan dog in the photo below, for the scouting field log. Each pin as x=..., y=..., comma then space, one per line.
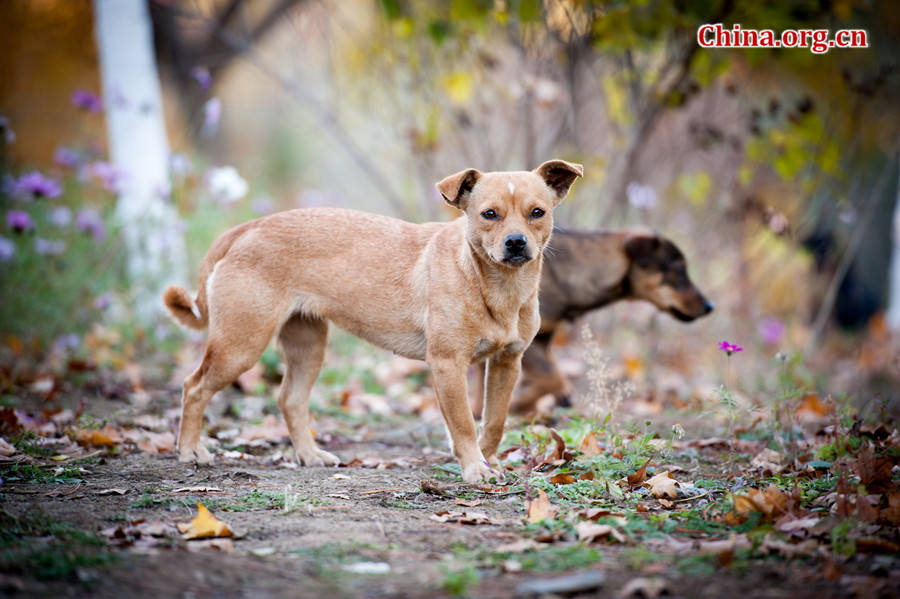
x=449, y=293
x=586, y=270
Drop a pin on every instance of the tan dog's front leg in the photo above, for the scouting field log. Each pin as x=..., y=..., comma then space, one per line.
x=450, y=388
x=502, y=372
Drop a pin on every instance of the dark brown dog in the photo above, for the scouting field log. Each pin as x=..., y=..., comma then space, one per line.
x=584, y=271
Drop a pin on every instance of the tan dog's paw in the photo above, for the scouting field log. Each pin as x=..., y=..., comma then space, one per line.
x=478, y=472
x=318, y=457
x=197, y=454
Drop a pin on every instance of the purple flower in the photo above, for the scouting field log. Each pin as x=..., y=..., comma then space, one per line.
x=771, y=330
x=729, y=348
x=202, y=77
x=212, y=114
x=38, y=186
x=49, y=247
x=90, y=221
x=7, y=249
x=108, y=174
x=61, y=216
x=87, y=101
x=9, y=185
x=66, y=157
x=104, y=301
x=19, y=221
x=67, y=342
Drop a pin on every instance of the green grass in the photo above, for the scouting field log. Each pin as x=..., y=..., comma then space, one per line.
x=35, y=545
x=33, y=474
x=255, y=500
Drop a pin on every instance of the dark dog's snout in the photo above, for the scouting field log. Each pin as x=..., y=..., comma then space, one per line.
x=707, y=306
x=515, y=243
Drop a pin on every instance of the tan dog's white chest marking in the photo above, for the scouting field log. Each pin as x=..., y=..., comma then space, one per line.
x=449, y=293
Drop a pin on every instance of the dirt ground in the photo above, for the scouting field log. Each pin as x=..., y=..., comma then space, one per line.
x=396, y=520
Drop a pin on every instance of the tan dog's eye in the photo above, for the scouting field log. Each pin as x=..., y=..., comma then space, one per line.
x=537, y=213
x=490, y=215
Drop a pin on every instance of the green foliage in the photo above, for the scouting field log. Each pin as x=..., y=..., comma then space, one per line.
x=36, y=545
x=457, y=581
x=31, y=473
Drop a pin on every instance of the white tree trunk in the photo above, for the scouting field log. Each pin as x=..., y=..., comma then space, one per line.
x=140, y=150
x=893, y=311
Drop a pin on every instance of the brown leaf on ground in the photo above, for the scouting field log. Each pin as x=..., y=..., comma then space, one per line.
x=151, y=442
x=105, y=437
x=562, y=478
x=812, y=409
x=876, y=545
x=223, y=545
x=591, y=532
x=559, y=452
x=637, y=479
x=589, y=446
x=6, y=448
x=768, y=461
x=874, y=472
x=771, y=502
x=891, y=513
x=540, y=508
x=462, y=517
x=204, y=525
x=469, y=502
x=271, y=429
x=663, y=485
x=586, y=475
x=595, y=513
x=648, y=588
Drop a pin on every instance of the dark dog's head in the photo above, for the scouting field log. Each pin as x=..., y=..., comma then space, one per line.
x=658, y=273
x=510, y=214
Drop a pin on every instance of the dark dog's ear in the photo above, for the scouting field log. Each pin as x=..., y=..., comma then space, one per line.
x=642, y=249
x=559, y=175
x=456, y=188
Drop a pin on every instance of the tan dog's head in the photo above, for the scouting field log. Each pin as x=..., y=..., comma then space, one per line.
x=658, y=274
x=510, y=214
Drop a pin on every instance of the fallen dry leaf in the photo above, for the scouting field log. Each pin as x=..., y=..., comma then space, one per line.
x=223, y=545
x=6, y=449
x=540, y=508
x=198, y=490
x=648, y=588
x=770, y=502
x=589, y=446
x=768, y=461
x=151, y=442
x=562, y=479
x=811, y=409
x=112, y=492
x=874, y=472
x=462, y=517
x=520, y=546
x=105, y=437
x=663, y=485
x=636, y=479
x=469, y=502
x=591, y=532
x=204, y=525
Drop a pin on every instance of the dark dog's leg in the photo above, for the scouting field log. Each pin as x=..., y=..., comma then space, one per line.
x=502, y=372
x=477, y=393
x=539, y=378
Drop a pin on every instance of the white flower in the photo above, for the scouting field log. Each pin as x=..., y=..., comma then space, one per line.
x=226, y=185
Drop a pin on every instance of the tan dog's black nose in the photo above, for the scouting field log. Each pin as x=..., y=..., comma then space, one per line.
x=515, y=243
x=707, y=306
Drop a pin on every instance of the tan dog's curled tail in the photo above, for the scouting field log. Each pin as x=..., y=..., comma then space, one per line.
x=183, y=307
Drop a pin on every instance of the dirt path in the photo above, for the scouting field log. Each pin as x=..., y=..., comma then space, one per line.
x=398, y=521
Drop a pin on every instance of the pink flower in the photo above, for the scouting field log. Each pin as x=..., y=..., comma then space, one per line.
x=202, y=77
x=19, y=221
x=729, y=348
x=109, y=176
x=87, y=101
x=771, y=330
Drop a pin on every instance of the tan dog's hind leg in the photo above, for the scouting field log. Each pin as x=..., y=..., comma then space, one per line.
x=450, y=388
x=222, y=363
x=302, y=340
x=502, y=372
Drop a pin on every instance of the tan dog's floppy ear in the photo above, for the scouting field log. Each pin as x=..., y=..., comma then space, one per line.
x=559, y=175
x=456, y=188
